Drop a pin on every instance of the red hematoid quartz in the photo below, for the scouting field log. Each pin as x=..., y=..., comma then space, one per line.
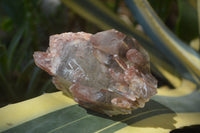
x=108, y=72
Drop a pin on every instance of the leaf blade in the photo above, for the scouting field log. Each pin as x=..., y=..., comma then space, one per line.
x=178, y=52
x=13, y=45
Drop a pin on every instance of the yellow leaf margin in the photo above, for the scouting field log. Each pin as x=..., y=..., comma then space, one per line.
x=16, y=114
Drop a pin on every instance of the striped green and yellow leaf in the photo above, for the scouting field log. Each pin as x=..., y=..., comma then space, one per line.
x=55, y=112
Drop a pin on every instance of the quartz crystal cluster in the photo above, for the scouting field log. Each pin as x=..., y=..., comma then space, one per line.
x=108, y=72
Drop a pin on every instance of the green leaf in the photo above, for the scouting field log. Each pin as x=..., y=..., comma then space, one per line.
x=55, y=112
x=68, y=119
x=162, y=8
x=33, y=81
x=22, y=53
x=181, y=55
x=187, y=22
x=12, y=47
x=25, y=73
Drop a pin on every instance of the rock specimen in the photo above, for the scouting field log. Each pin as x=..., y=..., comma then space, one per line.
x=107, y=72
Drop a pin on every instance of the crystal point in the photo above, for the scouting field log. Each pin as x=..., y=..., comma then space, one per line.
x=108, y=72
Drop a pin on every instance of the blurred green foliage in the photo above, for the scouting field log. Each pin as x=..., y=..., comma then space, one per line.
x=26, y=26
x=179, y=15
x=20, y=78
x=187, y=23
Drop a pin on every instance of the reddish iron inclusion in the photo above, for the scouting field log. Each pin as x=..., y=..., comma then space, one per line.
x=108, y=72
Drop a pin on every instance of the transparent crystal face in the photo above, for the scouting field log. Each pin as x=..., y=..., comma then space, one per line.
x=108, y=72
